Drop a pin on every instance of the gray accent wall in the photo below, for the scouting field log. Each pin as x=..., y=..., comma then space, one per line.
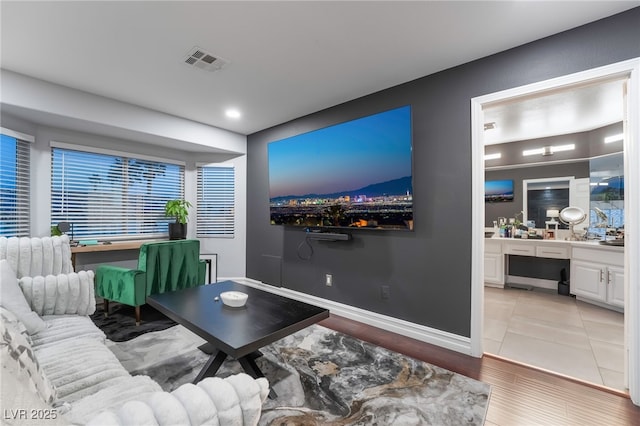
x=427, y=271
x=492, y=211
x=587, y=145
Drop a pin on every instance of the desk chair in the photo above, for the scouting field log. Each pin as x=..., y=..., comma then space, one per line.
x=162, y=267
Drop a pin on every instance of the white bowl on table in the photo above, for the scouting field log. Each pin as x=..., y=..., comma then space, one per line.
x=234, y=299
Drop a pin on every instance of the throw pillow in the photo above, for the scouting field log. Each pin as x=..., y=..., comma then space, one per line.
x=15, y=348
x=11, y=298
x=18, y=399
x=12, y=321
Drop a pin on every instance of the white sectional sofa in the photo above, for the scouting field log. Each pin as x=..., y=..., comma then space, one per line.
x=57, y=369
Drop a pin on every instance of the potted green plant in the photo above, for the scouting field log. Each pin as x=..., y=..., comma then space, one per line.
x=178, y=209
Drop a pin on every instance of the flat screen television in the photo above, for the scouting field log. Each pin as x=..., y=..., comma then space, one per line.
x=496, y=191
x=356, y=174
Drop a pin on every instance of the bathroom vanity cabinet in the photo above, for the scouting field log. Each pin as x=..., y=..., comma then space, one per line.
x=493, y=263
x=596, y=271
x=598, y=276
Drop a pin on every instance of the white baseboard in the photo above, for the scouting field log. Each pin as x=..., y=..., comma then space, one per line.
x=423, y=333
x=534, y=282
x=602, y=305
x=494, y=285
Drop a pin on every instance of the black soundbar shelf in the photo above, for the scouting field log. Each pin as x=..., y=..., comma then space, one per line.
x=328, y=236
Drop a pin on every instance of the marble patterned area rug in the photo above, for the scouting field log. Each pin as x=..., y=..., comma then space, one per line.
x=120, y=324
x=323, y=377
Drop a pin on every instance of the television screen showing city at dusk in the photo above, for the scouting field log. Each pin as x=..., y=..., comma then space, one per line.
x=498, y=191
x=353, y=174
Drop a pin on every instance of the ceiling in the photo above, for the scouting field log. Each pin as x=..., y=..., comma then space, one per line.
x=284, y=59
x=560, y=112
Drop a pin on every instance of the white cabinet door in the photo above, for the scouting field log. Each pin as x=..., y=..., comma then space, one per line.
x=588, y=280
x=615, y=286
x=494, y=268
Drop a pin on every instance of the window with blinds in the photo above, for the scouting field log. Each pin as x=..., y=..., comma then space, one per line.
x=216, y=201
x=14, y=187
x=106, y=196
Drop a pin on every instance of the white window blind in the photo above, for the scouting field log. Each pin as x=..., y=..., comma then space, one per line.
x=111, y=197
x=216, y=201
x=14, y=187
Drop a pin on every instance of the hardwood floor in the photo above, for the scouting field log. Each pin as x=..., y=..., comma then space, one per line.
x=519, y=395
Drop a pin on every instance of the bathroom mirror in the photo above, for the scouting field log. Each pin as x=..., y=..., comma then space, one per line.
x=572, y=216
x=607, y=203
x=543, y=195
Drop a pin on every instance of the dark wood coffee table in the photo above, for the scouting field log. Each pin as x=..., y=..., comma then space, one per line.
x=236, y=332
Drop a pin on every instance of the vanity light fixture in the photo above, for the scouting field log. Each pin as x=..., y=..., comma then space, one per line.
x=548, y=150
x=536, y=151
x=614, y=138
x=559, y=148
x=494, y=156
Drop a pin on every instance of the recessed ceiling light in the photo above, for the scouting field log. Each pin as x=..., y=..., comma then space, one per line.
x=232, y=113
x=493, y=156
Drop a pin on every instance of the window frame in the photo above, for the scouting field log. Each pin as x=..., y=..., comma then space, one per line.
x=21, y=213
x=124, y=159
x=224, y=226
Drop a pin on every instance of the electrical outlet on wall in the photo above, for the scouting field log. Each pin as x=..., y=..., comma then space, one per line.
x=329, y=280
x=384, y=292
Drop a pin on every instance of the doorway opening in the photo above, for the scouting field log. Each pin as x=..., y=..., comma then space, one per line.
x=628, y=70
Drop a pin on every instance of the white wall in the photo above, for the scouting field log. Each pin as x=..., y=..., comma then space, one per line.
x=218, y=146
x=231, y=252
x=62, y=106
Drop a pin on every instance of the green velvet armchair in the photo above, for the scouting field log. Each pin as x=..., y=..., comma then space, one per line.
x=162, y=267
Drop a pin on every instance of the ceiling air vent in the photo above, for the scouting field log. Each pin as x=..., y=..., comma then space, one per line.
x=199, y=58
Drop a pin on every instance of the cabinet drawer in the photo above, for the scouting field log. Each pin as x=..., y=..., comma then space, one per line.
x=553, y=252
x=520, y=249
x=492, y=247
x=601, y=256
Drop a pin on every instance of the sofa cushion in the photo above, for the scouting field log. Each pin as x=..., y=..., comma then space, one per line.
x=113, y=397
x=71, y=293
x=62, y=328
x=31, y=257
x=12, y=298
x=18, y=399
x=80, y=367
x=17, y=350
x=233, y=401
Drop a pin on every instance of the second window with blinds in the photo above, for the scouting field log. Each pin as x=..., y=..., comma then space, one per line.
x=216, y=201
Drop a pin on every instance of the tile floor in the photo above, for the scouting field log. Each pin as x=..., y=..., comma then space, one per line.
x=557, y=333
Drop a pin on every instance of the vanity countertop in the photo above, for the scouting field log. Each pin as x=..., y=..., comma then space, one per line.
x=591, y=243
